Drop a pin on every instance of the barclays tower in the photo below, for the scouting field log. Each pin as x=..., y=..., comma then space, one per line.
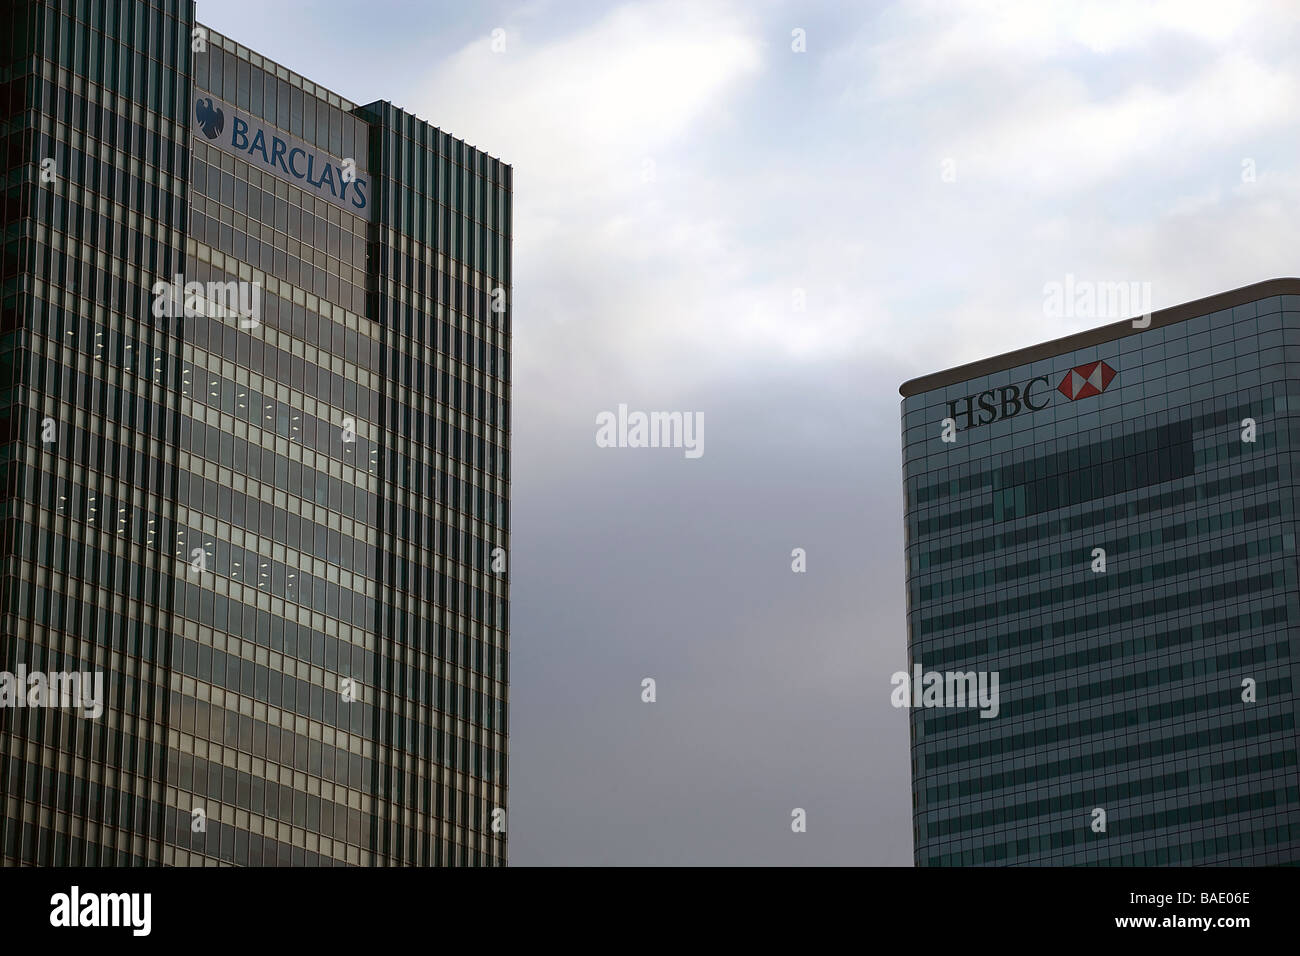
x=1102, y=529
x=254, y=450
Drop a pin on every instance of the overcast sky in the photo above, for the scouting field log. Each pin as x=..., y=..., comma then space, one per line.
x=684, y=180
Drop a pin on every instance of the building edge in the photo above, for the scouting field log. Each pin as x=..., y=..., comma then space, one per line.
x=1105, y=333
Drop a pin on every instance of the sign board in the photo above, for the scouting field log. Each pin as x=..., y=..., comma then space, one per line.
x=340, y=181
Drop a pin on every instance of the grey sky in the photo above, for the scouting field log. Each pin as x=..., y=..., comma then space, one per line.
x=681, y=178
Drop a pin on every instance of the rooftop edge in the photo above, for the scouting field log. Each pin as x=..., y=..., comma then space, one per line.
x=222, y=41
x=1104, y=333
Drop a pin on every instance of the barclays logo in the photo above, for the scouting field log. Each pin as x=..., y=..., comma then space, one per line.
x=283, y=155
x=212, y=120
x=298, y=163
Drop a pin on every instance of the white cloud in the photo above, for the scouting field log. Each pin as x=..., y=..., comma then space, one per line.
x=1078, y=144
x=584, y=110
x=1056, y=136
x=931, y=42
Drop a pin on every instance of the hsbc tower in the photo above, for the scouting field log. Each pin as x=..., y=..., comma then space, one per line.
x=1102, y=528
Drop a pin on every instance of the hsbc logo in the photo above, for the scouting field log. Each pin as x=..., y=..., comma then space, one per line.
x=998, y=403
x=985, y=408
x=1086, y=381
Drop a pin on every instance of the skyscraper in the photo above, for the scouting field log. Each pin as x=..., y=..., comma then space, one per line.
x=255, y=458
x=1107, y=523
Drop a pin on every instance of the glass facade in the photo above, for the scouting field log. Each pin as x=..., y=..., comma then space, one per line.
x=1123, y=687
x=283, y=542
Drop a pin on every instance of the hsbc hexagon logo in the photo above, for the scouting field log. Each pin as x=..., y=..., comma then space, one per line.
x=985, y=408
x=1084, y=381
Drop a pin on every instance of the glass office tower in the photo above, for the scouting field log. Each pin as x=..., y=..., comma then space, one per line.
x=277, y=523
x=1112, y=530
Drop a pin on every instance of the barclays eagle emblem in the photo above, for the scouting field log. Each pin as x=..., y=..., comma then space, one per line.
x=211, y=119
